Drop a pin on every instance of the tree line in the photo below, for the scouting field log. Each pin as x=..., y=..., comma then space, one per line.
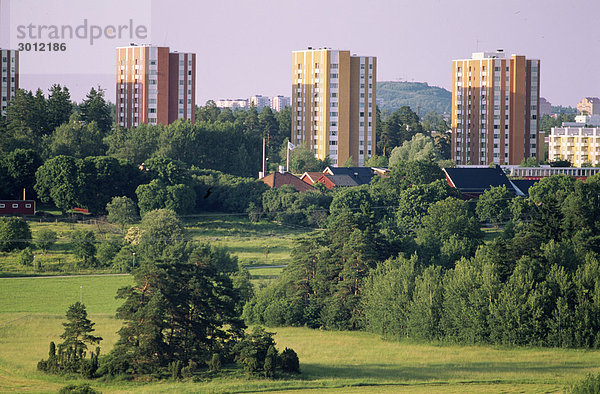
x=405, y=258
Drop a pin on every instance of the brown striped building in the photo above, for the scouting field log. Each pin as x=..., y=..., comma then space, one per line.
x=154, y=85
x=333, y=104
x=9, y=84
x=495, y=109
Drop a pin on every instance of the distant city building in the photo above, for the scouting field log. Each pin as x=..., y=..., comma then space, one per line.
x=279, y=102
x=495, y=109
x=10, y=77
x=260, y=101
x=232, y=103
x=545, y=107
x=589, y=106
x=578, y=145
x=154, y=85
x=333, y=104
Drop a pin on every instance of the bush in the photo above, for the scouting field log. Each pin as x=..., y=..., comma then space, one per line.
x=289, y=361
x=26, y=257
x=590, y=385
x=83, y=388
x=106, y=252
x=214, y=364
x=14, y=234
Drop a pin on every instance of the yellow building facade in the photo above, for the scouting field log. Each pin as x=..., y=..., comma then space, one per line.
x=579, y=145
x=495, y=109
x=333, y=104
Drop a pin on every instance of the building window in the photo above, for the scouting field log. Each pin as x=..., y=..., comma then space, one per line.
x=27, y=205
x=15, y=205
x=2, y=206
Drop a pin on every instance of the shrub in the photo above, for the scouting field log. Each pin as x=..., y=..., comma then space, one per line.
x=590, y=385
x=83, y=388
x=289, y=361
x=214, y=364
x=14, y=234
x=26, y=257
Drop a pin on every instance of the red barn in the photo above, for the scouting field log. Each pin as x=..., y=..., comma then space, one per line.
x=17, y=207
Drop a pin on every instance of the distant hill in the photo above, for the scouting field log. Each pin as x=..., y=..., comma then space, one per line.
x=419, y=96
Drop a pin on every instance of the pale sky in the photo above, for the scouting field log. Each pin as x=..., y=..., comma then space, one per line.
x=244, y=47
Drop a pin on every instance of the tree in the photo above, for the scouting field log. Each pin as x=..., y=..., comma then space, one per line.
x=76, y=139
x=416, y=172
x=21, y=165
x=122, y=211
x=84, y=248
x=14, y=234
x=449, y=231
x=397, y=128
x=45, y=238
x=180, y=309
x=388, y=296
x=420, y=147
x=78, y=329
x=57, y=181
x=493, y=204
x=59, y=107
x=302, y=159
x=95, y=109
x=377, y=161
x=71, y=355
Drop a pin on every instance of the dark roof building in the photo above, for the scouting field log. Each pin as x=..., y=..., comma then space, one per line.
x=473, y=181
x=278, y=179
x=361, y=175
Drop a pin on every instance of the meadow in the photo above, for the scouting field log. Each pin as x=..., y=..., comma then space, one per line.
x=32, y=312
x=262, y=247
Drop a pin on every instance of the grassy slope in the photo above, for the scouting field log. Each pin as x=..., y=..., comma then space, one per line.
x=337, y=361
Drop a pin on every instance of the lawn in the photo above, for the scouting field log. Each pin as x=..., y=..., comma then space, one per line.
x=332, y=361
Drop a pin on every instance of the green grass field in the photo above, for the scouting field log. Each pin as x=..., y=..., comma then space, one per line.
x=255, y=244
x=32, y=311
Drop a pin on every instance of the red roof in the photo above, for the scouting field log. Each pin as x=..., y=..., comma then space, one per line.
x=277, y=179
x=311, y=177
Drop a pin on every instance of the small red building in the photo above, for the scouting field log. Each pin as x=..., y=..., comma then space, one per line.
x=17, y=207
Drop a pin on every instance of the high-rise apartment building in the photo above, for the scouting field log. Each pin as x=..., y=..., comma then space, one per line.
x=154, y=85
x=333, y=104
x=495, y=109
x=589, y=106
x=259, y=102
x=9, y=63
x=279, y=102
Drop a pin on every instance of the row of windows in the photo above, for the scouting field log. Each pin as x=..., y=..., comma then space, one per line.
x=15, y=205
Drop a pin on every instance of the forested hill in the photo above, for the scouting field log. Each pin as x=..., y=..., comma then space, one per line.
x=419, y=96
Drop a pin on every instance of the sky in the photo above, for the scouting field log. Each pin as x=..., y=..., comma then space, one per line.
x=245, y=47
